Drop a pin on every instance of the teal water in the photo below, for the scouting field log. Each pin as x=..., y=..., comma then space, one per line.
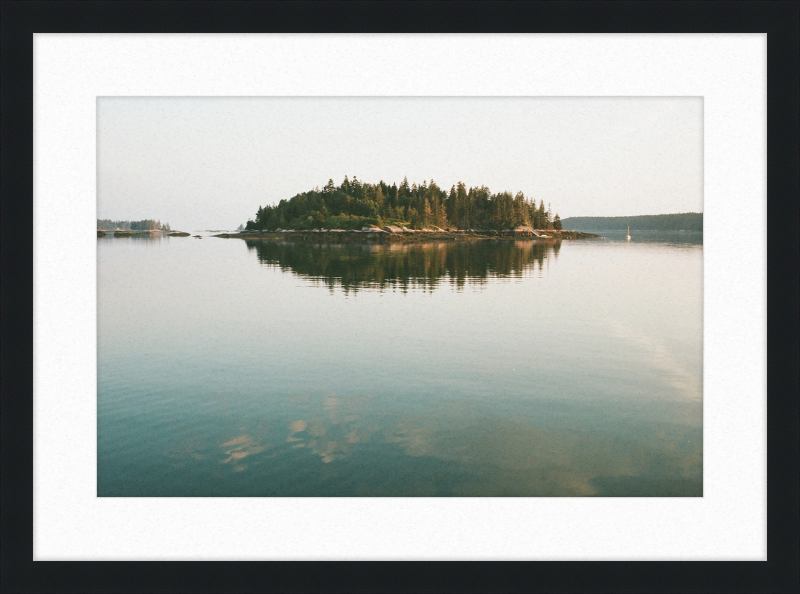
x=248, y=368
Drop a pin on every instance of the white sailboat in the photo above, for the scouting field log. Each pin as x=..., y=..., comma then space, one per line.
x=629, y=232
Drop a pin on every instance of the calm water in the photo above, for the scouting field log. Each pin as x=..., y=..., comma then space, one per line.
x=247, y=368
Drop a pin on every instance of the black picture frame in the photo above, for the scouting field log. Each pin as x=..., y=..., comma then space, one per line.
x=780, y=20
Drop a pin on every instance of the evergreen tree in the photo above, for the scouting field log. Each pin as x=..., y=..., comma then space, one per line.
x=462, y=207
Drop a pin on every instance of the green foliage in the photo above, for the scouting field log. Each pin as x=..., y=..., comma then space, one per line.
x=349, y=222
x=355, y=204
x=686, y=221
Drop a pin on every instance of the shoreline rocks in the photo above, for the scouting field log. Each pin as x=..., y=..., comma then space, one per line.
x=392, y=233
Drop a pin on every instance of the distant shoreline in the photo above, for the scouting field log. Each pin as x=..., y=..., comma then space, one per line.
x=127, y=233
x=410, y=235
x=682, y=221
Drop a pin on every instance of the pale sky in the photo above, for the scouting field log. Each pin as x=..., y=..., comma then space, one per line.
x=209, y=163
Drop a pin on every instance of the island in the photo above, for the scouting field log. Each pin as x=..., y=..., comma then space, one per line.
x=141, y=228
x=354, y=211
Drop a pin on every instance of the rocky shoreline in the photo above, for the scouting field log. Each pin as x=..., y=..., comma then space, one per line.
x=398, y=234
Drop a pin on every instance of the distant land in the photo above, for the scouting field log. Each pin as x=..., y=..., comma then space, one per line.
x=684, y=221
x=144, y=225
x=143, y=228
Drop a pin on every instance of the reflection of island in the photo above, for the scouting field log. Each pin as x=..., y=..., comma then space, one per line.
x=358, y=266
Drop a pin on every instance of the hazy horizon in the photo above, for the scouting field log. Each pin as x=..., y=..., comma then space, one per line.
x=209, y=163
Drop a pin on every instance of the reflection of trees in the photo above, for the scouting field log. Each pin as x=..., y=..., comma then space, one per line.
x=423, y=265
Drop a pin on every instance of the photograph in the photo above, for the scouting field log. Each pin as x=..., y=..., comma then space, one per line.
x=417, y=296
x=399, y=296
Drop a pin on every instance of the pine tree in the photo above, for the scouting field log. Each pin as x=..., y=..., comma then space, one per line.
x=462, y=207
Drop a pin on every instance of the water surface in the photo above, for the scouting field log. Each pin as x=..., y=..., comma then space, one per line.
x=495, y=368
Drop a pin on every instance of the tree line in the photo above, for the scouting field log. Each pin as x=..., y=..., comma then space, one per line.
x=145, y=225
x=685, y=221
x=354, y=204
